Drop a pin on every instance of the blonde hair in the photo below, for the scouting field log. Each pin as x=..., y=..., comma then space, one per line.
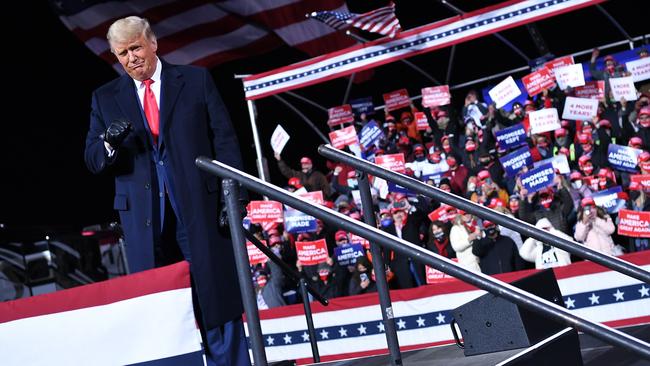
x=129, y=28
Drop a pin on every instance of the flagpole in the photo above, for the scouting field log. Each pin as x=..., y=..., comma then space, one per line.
x=256, y=137
x=348, y=88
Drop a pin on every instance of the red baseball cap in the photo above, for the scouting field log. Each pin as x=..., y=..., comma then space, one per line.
x=644, y=111
x=584, y=159
x=305, y=160
x=487, y=224
x=583, y=138
x=340, y=235
x=587, y=201
x=636, y=142
x=575, y=176
x=470, y=145
x=605, y=123
x=483, y=174
x=560, y=132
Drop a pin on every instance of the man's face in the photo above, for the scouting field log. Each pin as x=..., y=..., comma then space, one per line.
x=137, y=57
x=305, y=167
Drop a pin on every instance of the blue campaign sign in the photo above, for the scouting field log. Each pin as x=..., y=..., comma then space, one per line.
x=392, y=187
x=608, y=199
x=362, y=105
x=512, y=136
x=508, y=107
x=538, y=178
x=434, y=177
x=370, y=134
x=623, y=157
x=347, y=254
x=516, y=160
x=297, y=222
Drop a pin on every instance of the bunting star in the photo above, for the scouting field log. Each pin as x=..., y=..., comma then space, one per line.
x=420, y=321
x=381, y=328
x=570, y=303
x=644, y=291
x=440, y=318
x=287, y=339
x=343, y=332
x=401, y=324
x=618, y=295
x=305, y=337
x=361, y=329
x=324, y=334
x=594, y=299
x=270, y=340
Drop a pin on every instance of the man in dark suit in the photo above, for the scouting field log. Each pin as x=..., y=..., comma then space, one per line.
x=146, y=129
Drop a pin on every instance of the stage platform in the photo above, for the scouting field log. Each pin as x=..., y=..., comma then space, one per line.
x=594, y=353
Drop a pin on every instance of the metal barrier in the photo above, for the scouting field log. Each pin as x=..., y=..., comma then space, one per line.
x=482, y=281
x=515, y=224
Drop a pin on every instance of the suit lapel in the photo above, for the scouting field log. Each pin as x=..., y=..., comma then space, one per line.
x=127, y=99
x=172, y=83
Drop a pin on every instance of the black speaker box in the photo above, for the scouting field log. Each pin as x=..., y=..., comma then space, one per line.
x=492, y=324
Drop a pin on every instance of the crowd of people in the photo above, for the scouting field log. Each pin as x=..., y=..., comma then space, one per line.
x=459, y=153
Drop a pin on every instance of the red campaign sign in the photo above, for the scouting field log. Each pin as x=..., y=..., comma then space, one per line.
x=537, y=81
x=344, y=137
x=435, y=276
x=592, y=182
x=397, y=99
x=642, y=179
x=443, y=213
x=394, y=162
x=559, y=62
x=255, y=256
x=436, y=96
x=315, y=197
x=261, y=212
x=421, y=121
x=356, y=239
x=311, y=252
x=634, y=223
x=591, y=90
x=339, y=115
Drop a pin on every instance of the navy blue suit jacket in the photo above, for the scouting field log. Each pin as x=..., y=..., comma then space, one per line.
x=193, y=122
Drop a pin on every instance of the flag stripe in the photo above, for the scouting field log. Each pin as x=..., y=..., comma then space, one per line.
x=406, y=44
x=258, y=47
x=167, y=278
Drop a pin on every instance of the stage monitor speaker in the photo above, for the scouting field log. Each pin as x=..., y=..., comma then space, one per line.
x=492, y=324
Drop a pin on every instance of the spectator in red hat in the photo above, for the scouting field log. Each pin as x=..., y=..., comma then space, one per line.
x=635, y=142
x=544, y=255
x=642, y=102
x=553, y=202
x=595, y=227
x=542, y=150
x=644, y=162
x=638, y=201
x=585, y=165
x=474, y=107
x=457, y=175
x=462, y=234
x=497, y=253
x=408, y=273
x=420, y=165
x=438, y=239
x=351, y=182
x=470, y=156
x=578, y=189
x=612, y=69
x=311, y=179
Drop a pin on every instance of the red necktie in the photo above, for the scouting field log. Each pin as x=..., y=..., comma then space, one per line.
x=151, y=109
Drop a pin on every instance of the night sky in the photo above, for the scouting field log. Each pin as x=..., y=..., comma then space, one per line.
x=50, y=76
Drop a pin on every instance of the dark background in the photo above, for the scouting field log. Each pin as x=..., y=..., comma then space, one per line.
x=49, y=77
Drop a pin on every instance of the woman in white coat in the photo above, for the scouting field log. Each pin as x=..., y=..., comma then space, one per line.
x=542, y=254
x=461, y=236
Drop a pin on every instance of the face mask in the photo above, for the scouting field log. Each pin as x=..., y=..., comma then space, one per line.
x=586, y=148
x=602, y=183
x=644, y=122
x=471, y=187
x=261, y=281
x=323, y=274
x=517, y=112
x=611, y=68
x=561, y=140
x=484, y=162
x=514, y=206
x=588, y=169
x=446, y=147
x=542, y=145
x=546, y=202
x=352, y=183
x=576, y=184
x=386, y=222
x=439, y=235
x=490, y=231
x=419, y=157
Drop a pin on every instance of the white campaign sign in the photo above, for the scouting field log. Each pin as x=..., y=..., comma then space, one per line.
x=559, y=162
x=544, y=120
x=504, y=92
x=640, y=69
x=279, y=138
x=570, y=76
x=579, y=108
x=623, y=88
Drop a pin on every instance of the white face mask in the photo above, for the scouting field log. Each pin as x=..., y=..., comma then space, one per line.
x=352, y=183
x=471, y=187
x=577, y=184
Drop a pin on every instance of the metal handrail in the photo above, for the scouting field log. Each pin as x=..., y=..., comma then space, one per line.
x=483, y=212
x=421, y=255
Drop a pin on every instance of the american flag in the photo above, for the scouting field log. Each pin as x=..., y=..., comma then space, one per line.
x=382, y=20
x=207, y=33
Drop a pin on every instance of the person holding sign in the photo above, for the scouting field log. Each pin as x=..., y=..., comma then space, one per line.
x=612, y=70
x=638, y=201
x=497, y=253
x=311, y=179
x=462, y=234
x=595, y=227
x=553, y=202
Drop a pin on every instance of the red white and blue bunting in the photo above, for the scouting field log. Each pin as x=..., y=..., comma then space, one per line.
x=409, y=43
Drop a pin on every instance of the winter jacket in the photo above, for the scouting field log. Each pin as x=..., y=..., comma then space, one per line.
x=542, y=254
x=597, y=234
x=499, y=255
x=459, y=238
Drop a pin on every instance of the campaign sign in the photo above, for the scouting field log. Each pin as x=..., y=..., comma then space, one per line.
x=347, y=254
x=559, y=162
x=640, y=69
x=297, y=222
x=344, y=137
x=396, y=188
x=608, y=199
x=339, y=115
x=635, y=224
x=623, y=88
x=436, y=177
x=370, y=134
x=538, y=178
x=504, y=92
x=623, y=157
x=362, y=105
x=443, y=213
x=255, y=256
x=512, y=136
x=265, y=212
x=558, y=62
x=642, y=179
x=394, y=162
x=315, y=197
x=279, y=138
x=436, y=96
x=355, y=239
x=544, y=120
x=435, y=276
x=516, y=160
x=422, y=124
x=591, y=90
x=397, y=99
x=579, y=108
x=537, y=81
x=311, y=252
x=570, y=76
